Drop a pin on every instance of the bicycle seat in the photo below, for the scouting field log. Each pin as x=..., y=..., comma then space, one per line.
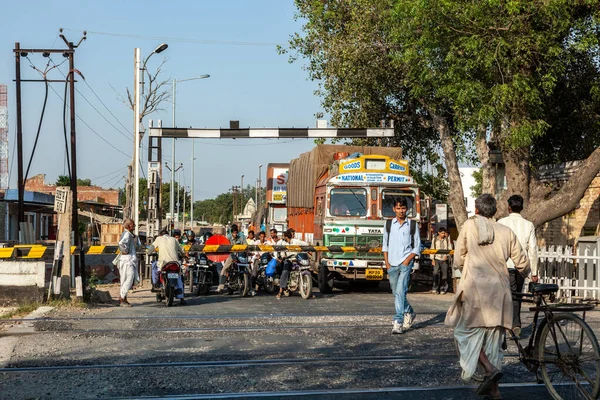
x=544, y=288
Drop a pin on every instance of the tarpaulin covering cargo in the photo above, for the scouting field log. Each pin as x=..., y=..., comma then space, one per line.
x=306, y=169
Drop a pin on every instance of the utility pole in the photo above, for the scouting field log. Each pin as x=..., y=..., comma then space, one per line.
x=70, y=79
x=79, y=260
x=21, y=188
x=183, y=216
x=234, y=205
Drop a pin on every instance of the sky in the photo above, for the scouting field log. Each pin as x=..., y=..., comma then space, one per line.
x=232, y=40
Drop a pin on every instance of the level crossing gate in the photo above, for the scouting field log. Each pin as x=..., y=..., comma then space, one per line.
x=156, y=134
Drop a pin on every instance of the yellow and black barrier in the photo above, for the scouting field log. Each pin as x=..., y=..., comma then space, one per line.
x=38, y=251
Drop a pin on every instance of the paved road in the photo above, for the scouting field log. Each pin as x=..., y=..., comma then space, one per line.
x=217, y=346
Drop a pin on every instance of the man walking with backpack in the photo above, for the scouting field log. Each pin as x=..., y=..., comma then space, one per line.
x=401, y=244
x=441, y=277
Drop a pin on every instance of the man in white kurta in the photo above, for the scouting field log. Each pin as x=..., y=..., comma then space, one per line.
x=482, y=306
x=525, y=232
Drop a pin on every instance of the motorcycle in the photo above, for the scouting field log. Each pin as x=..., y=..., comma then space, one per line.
x=300, y=275
x=238, y=278
x=168, y=276
x=264, y=281
x=200, y=274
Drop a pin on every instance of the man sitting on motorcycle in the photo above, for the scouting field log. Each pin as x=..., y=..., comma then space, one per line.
x=169, y=250
x=234, y=239
x=284, y=258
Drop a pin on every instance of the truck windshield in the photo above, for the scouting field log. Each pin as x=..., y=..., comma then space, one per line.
x=347, y=202
x=388, y=198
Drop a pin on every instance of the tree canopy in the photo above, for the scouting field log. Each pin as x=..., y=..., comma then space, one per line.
x=520, y=76
x=64, y=180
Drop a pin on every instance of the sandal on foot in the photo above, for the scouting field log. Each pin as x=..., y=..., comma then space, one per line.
x=278, y=296
x=487, y=383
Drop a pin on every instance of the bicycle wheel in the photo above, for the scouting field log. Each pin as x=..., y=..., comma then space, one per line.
x=570, y=364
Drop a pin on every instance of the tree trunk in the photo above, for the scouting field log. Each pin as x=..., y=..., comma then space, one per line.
x=569, y=195
x=456, y=196
x=483, y=152
x=517, y=172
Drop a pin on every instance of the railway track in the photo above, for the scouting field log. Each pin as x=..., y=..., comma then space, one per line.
x=239, y=363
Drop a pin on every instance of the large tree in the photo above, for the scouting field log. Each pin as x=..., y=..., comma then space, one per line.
x=467, y=75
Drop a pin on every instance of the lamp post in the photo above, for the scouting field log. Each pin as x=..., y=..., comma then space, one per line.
x=172, y=194
x=259, y=198
x=242, y=196
x=179, y=190
x=138, y=89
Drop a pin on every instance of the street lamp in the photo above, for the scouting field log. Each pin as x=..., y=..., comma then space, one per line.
x=174, y=86
x=258, y=198
x=138, y=90
x=173, y=170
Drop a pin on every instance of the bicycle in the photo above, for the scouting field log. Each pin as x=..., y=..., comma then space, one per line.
x=562, y=347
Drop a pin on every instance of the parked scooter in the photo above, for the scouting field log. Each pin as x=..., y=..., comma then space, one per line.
x=300, y=275
x=267, y=282
x=200, y=274
x=238, y=279
x=168, y=282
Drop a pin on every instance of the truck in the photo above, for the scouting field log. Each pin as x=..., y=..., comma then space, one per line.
x=341, y=196
x=276, y=212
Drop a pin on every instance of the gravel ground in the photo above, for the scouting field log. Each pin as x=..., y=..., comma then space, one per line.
x=224, y=328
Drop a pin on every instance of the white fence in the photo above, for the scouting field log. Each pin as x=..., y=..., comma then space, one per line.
x=577, y=275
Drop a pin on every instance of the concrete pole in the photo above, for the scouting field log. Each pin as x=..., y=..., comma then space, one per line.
x=172, y=191
x=192, y=191
x=136, y=133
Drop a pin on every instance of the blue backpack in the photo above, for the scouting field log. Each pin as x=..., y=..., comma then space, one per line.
x=271, y=267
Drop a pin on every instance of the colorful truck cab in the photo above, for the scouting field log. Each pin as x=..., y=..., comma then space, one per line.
x=352, y=200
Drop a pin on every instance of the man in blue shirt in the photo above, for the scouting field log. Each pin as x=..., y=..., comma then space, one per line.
x=399, y=254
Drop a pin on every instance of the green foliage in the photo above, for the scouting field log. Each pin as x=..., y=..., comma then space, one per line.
x=434, y=185
x=497, y=64
x=64, y=180
x=349, y=48
x=477, y=189
x=220, y=209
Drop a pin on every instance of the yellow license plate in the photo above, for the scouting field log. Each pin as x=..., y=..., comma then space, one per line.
x=374, y=274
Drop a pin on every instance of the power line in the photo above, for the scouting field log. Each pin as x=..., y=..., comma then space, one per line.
x=182, y=40
x=92, y=129
x=95, y=109
x=110, y=173
x=107, y=109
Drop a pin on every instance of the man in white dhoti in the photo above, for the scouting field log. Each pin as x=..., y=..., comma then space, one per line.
x=127, y=261
x=482, y=307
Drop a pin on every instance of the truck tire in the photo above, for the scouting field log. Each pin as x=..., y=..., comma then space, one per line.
x=325, y=280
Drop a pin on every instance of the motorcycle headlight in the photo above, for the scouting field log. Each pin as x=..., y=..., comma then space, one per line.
x=302, y=259
x=243, y=259
x=202, y=261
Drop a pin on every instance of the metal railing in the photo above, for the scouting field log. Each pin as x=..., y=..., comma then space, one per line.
x=575, y=271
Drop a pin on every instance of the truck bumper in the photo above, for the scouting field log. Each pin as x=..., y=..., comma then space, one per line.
x=356, y=270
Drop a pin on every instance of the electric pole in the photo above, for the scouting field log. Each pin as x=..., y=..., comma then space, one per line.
x=69, y=53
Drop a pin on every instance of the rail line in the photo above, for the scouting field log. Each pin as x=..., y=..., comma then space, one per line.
x=216, y=329
x=223, y=316
x=524, y=389
x=239, y=363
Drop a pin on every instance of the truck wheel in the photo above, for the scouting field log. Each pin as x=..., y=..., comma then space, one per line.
x=325, y=280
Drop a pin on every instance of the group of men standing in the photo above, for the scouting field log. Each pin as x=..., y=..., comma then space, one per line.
x=494, y=259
